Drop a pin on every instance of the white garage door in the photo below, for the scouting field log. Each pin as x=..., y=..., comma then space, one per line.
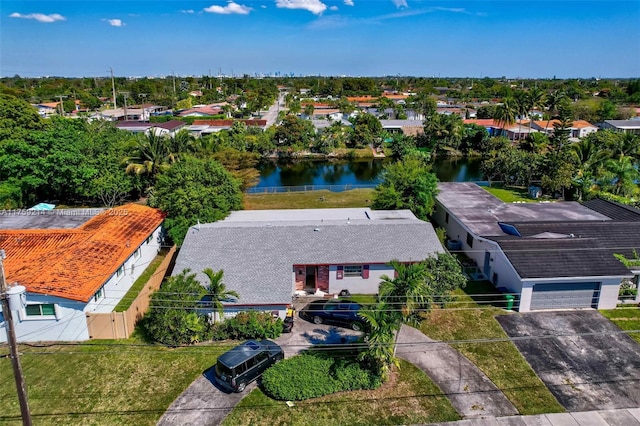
x=565, y=296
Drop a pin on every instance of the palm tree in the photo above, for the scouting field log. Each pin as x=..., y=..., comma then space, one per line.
x=218, y=292
x=151, y=154
x=589, y=158
x=522, y=108
x=408, y=291
x=621, y=176
x=506, y=112
x=383, y=327
x=553, y=101
x=535, y=98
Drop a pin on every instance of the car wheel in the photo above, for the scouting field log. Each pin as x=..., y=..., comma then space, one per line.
x=356, y=326
x=241, y=387
x=317, y=320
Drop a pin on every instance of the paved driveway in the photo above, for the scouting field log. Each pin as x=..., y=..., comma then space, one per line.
x=581, y=356
x=205, y=403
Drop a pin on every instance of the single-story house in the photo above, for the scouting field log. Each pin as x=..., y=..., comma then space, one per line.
x=622, y=126
x=406, y=127
x=578, y=129
x=73, y=262
x=170, y=127
x=551, y=254
x=269, y=256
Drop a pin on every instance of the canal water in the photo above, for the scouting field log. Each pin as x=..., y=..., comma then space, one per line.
x=354, y=172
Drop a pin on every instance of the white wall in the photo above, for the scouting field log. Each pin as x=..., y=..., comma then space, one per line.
x=359, y=284
x=69, y=323
x=117, y=286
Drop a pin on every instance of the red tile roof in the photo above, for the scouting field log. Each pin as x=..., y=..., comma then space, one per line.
x=228, y=123
x=75, y=263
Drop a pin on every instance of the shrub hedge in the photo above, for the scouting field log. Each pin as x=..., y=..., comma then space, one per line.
x=312, y=375
x=248, y=325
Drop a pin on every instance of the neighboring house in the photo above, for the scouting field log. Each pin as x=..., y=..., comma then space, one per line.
x=578, y=129
x=205, y=127
x=406, y=127
x=202, y=111
x=269, y=256
x=551, y=254
x=73, y=262
x=167, y=128
x=623, y=126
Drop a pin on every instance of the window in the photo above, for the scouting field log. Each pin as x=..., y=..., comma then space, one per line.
x=469, y=240
x=120, y=271
x=137, y=252
x=149, y=239
x=353, y=271
x=446, y=217
x=40, y=310
x=98, y=295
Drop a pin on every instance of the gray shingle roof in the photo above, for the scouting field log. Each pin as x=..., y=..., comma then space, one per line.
x=258, y=254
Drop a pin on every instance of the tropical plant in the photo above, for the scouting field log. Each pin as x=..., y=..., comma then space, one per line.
x=383, y=324
x=217, y=292
x=506, y=112
x=407, y=291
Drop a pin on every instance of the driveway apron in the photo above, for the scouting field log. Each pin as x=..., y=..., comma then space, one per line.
x=471, y=393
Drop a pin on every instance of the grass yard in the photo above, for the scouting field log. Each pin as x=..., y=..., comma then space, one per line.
x=627, y=318
x=500, y=361
x=409, y=397
x=103, y=382
x=137, y=286
x=323, y=199
x=511, y=194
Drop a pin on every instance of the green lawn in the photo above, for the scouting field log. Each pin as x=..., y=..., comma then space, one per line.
x=137, y=286
x=409, y=397
x=627, y=318
x=102, y=383
x=510, y=194
x=500, y=361
x=309, y=200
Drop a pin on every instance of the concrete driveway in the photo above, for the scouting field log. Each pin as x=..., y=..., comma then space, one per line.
x=205, y=403
x=582, y=357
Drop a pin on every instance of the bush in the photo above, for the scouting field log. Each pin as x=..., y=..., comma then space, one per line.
x=249, y=325
x=313, y=375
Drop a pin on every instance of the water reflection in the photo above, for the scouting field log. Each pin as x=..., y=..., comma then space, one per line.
x=354, y=172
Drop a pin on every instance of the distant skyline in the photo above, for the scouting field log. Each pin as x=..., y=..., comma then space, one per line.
x=516, y=39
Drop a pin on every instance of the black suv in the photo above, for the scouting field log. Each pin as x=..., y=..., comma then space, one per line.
x=339, y=312
x=243, y=364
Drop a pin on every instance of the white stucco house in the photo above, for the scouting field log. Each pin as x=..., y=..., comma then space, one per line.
x=552, y=255
x=73, y=262
x=269, y=256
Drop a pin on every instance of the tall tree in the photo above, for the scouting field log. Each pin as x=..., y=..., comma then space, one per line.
x=408, y=184
x=506, y=112
x=217, y=292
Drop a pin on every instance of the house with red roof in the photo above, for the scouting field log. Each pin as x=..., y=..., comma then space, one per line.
x=578, y=129
x=74, y=262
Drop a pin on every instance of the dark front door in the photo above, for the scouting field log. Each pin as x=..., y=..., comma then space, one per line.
x=310, y=283
x=487, y=268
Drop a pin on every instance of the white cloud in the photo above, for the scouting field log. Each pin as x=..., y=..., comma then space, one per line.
x=348, y=2
x=187, y=11
x=400, y=3
x=115, y=22
x=314, y=6
x=334, y=8
x=40, y=17
x=263, y=6
x=229, y=9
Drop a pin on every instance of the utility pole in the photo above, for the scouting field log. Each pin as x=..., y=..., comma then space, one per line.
x=113, y=88
x=61, y=105
x=13, y=347
x=125, y=94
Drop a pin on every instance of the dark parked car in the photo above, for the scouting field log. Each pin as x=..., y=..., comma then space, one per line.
x=338, y=312
x=243, y=364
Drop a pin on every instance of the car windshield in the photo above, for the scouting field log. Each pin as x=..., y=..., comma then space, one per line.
x=223, y=370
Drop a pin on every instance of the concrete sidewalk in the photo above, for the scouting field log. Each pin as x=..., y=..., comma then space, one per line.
x=621, y=417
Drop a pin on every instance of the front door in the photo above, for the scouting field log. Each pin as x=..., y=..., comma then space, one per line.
x=310, y=282
x=487, y=268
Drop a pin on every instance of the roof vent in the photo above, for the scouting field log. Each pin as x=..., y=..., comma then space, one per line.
x=316, y=229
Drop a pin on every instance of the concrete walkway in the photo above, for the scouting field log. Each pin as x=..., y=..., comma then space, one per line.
x=621, y=417
x=471, y=393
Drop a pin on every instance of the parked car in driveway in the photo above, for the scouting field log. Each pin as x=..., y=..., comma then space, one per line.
x=343, y=313
x=246, y=362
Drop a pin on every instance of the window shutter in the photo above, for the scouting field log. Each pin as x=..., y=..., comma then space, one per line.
x=340, y=272
x=365, y=272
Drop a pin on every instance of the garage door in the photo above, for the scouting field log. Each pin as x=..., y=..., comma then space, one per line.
x=565, y=296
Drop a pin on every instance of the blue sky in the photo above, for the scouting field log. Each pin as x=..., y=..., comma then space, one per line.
x=321, y=37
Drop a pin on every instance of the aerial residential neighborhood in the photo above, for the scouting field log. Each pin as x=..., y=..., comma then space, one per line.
x=320, y=212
